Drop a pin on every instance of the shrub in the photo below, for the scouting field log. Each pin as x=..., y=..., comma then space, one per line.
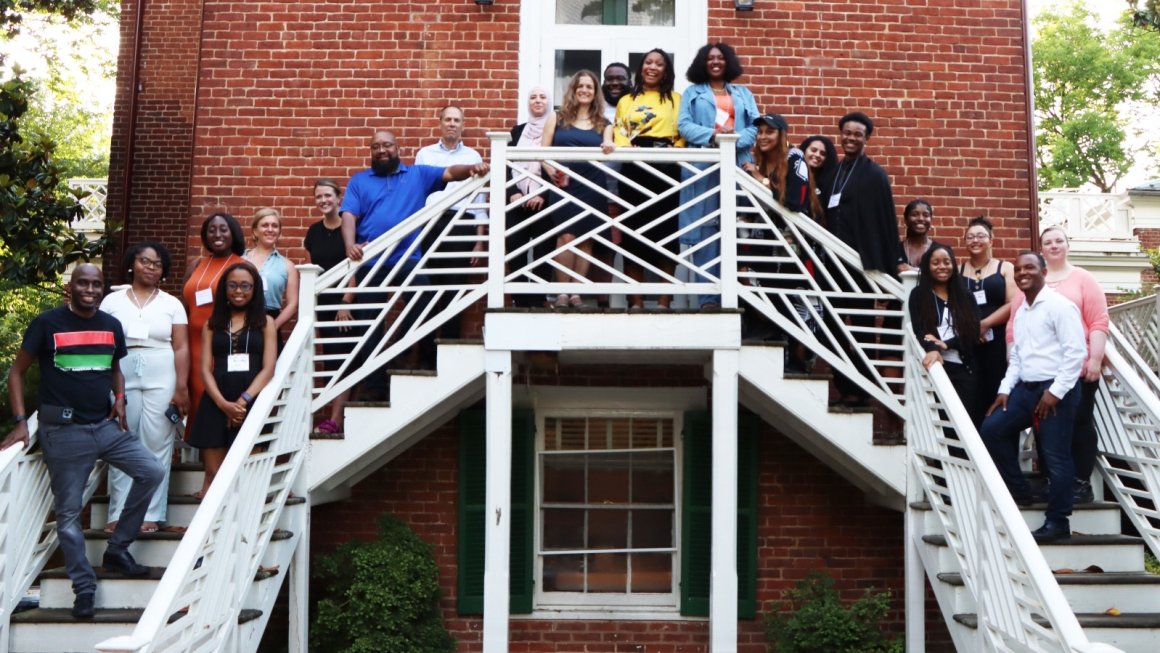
x=17, y=308
x=811, y=619
x=380, y=596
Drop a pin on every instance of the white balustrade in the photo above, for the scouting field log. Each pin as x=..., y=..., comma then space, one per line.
x=1087, y=215
x=1139, y=325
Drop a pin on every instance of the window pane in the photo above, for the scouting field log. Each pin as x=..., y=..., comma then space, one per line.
x=608, y=478
x=608, y=572
x=652, y=529
x=607, y=529
x=564, y=573
x=615, y=12
x=568, y=63
x=564, y=478
x=652, y=477
x=652, y=572
x=563, y=529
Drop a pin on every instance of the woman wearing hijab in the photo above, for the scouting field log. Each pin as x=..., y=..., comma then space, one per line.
x=529, y=178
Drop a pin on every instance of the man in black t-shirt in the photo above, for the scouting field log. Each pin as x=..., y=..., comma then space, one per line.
x=82, y=419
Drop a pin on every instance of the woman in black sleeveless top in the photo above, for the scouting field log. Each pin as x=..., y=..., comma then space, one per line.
x=992, y=288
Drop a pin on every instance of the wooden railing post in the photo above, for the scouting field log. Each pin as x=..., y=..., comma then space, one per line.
x=728, y=148
x=496, y=247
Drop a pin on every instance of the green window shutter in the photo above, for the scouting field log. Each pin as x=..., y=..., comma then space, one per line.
x=472, y=497
x=696, y=514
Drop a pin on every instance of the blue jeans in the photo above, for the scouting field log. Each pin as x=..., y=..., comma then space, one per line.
x=1000, y=432
x=70, y=452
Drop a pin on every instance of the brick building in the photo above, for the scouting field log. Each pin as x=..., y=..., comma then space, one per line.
x=226, y=105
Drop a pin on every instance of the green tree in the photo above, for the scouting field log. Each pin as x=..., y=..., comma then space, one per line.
x=1086, y=80
x=1146, y=13
x=36, y=241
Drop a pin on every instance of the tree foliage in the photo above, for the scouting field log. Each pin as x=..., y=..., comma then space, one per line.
x=1086, y=80
x=36, y=242
x=1146, y=13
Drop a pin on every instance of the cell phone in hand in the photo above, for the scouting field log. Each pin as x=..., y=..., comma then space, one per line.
x=172, y=414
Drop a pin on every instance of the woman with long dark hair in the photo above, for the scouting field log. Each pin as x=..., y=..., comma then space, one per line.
x=822, y=161
x=943, y=318
x=714, y=104
x=580, y=122
x=647, y=117
x=239, y=350
x=156, y=371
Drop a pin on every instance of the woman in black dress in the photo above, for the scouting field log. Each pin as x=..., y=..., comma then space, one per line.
x=992, y=287
x=943, y=318
x=239, y=349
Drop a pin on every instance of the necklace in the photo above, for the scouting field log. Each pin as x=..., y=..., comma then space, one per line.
x=980, y=268
x=141, y=306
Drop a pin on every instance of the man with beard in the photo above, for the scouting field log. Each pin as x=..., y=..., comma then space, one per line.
x=375, y=201
x=82, y=419
x=616, y=82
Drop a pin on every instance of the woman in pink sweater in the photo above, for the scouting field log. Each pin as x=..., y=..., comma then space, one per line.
x=1078, y=285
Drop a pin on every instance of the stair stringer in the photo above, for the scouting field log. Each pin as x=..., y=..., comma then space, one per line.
x=263, y=594
x=964, y=638
x=375, y=435
x=843, y=441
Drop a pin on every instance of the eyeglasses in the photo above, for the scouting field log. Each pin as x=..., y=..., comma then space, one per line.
x=149, y=263
x=973, y=237
x=244, y=286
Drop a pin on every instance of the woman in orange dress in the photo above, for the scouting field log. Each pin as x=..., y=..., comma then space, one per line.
x=222, y=237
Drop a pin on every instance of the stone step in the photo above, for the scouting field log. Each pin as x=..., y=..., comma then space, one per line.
x=1096, y=518
x=1132, y=632
x=1120, y=553
x=56, y=631
x=150, y=549
x=1089, y=592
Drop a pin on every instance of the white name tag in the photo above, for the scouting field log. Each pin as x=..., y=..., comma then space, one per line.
x=203, y=297
x=238, y=363
x=722, y=117
x=980, y=297
x=988, y=335
x=834, y=199
x=137, y=331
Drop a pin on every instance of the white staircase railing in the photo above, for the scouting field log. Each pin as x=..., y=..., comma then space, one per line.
x=1019, y=603
x=1127, y=419
x=27, y=535
x=197, y=603
x=1139, y=324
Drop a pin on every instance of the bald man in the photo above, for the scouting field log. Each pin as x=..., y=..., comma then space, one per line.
x=81, y=420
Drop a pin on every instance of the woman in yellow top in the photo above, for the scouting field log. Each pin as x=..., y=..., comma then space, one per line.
x=647, y=117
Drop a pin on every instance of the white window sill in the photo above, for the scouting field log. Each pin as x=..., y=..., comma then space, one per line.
x=607, y=614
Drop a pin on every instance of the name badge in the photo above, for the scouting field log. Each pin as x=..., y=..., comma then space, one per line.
x=834, y=199
x=203, y=297
x=980, y=297
x=722, y=118
x=988, y=335
x=137, y=331
x=238, y=363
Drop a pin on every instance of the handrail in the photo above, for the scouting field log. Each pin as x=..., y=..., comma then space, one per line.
x=1002, y=566
x=1127, y=419
x=196, y=605
x=1139, y=321
x=27, y=536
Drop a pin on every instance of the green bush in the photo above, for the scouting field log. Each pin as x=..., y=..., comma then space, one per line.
x=17, y=308
x=811, y=619
x=380, y=596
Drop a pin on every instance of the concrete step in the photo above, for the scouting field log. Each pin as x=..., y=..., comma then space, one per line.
x=1089, y=592
x=1112, y=553
x=1132, y=632
x=56, y=631
x=1096, y=518
x=150, y=549
x=182, y=508
x=114, y=591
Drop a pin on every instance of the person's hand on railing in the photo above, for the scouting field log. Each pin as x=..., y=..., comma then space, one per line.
x=354, y=252
x=480, y=169
x=931, y=358
x=19, y=433
x=608, y=147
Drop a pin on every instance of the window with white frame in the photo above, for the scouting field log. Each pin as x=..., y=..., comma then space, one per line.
x=608, y=527
x=560, y=37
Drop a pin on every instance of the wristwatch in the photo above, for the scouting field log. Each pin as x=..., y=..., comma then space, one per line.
x=16, y=419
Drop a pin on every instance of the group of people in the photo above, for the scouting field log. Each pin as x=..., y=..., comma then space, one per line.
x=1023, y=345
x=119, y=375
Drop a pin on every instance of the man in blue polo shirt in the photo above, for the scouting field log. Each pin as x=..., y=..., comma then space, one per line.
x=375, y=201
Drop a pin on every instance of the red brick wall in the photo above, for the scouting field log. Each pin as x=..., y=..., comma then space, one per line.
x=289, y=91
x=809, y=518
x=1149, y=239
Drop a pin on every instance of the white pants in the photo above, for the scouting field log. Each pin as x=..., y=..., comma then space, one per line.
x=150, y=379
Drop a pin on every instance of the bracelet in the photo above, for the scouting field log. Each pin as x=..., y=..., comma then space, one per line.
x=119, y=395
x=248, y=397
x=16, y=419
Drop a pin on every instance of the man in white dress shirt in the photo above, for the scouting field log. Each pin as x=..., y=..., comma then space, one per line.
x=1039, y=391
